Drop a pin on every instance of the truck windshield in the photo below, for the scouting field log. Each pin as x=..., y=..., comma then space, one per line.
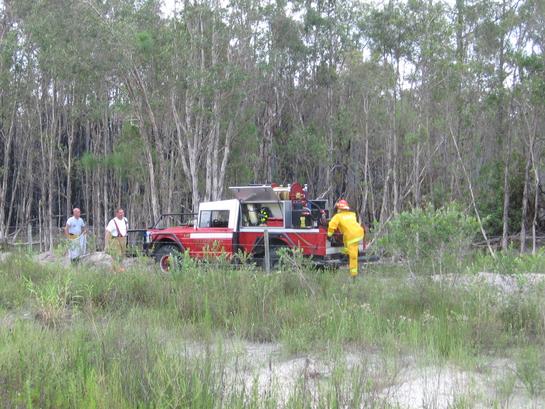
x=214, y=218
x=174, y=219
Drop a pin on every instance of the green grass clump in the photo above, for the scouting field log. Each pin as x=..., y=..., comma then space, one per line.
x=509, y=262
x=117, y=366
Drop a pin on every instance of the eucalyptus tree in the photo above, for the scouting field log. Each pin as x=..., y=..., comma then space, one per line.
x=329, y=35
x=209, y=78
x=365, y=103
x=530, y=107
x=429, y=52
x=49, y=68
x=10, y=85
x=394, y=105
x=388, y=31
x=278, y=115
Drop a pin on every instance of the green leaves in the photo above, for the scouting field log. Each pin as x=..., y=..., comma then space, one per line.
x=423, y=235
x=144, y=42
x=126, y=157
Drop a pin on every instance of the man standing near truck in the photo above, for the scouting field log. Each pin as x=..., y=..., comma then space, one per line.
x=116, y=238
x=75, y=231
x=345, y=220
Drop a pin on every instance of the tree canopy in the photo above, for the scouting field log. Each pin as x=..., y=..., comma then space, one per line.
x=394, y=106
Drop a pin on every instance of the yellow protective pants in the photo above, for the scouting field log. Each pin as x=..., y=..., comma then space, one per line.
x=353, y=233
x=351, y=248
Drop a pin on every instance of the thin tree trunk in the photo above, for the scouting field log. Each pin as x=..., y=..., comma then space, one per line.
x=187, y=147
x=503, y=132
x=395, y=181
x=506, y=194
x=70, y=143
x=524, y=214
x=385, y=188
x=330, y=145
x=146, y=136
x=5, y=174
x=536, y=197
x=366, y=157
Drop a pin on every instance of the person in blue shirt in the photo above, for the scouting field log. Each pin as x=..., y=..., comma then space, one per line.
x=76, y=232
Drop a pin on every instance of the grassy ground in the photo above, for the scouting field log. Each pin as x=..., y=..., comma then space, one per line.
x=84, y=338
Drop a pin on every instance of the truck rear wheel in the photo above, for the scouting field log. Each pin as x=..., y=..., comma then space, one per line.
x=165, y=255
x=276, y=250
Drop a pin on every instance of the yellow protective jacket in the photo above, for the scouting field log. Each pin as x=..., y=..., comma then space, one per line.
x=347, y=223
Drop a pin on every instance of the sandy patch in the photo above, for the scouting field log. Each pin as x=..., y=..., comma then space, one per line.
x=507, y=283
x=4, y=256
x=385, y=382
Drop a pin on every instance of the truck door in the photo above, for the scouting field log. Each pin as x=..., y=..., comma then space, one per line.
x=214, y=233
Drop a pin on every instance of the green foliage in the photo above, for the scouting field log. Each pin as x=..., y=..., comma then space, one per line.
x=16, y=271
x=438, y=196
x=8, y=56
x=529, y=372
x=490, y=197
x=144, y=42
x=532, y=69
x=302, y=149
x=522, y=316
x=126, y=157
x=430, y=235
x=51, y=299
x=509, y=261
x=88, y=161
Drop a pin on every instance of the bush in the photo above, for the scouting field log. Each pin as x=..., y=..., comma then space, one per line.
x=435, y=237
x=509, y=261
x=490, y=194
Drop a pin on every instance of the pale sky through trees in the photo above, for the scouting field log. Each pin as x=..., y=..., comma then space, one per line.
x=169, y=5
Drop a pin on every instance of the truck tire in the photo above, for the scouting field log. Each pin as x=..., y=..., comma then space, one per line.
x=163, y=255
x=274, y=256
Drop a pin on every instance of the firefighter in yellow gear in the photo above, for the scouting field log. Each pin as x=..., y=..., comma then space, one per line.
x=345, y=220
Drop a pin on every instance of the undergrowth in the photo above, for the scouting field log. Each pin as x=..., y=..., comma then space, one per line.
x=83, y=337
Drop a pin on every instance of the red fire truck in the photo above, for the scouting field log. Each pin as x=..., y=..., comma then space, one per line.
x=239, y=224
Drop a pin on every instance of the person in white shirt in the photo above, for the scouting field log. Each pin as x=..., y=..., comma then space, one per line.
x=75, y=231
x=116, y=238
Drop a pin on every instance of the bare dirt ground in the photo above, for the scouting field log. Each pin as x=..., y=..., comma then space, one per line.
x=400, y=382
x=506, y=283
x=3, y=257
x=97, y=259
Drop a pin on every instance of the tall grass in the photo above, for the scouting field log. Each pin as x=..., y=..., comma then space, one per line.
x=509, y=261
x=86, y=338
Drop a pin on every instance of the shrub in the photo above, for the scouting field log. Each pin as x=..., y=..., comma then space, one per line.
x=435, y=237
x=509, y=261
x=529, y=372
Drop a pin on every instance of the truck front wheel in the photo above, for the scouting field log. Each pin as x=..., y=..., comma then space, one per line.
x=165, y=256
